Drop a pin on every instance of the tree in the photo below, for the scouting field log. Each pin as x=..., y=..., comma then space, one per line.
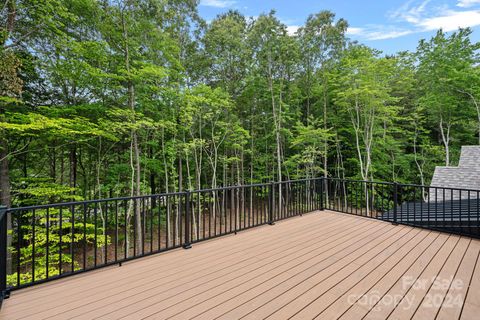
x=308, y=145
x=129, y=97
x=443, y=62
x=362, y=94
x=321, y=42
x=225, y=49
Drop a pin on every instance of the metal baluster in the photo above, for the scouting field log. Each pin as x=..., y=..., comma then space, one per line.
x=187, y=244
x=47, y=244
x=4, y=293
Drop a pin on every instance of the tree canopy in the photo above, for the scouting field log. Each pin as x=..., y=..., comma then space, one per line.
x=130, y=97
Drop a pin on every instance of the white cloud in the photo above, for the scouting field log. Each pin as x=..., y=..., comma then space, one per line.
x=355, y=31
x=451, y=20
x=217, y=3
x=422, y=16
x=467, y=3
x=292, y=30
x=382, y=35
x=377, y=32
x=417, y=16
x=407, y=12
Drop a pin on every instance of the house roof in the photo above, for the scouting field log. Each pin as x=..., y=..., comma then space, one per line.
x=465, y=176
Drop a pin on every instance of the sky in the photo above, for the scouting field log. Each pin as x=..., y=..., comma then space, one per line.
x=388, y=25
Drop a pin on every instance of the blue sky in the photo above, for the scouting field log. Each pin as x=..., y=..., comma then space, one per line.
x=388, y=25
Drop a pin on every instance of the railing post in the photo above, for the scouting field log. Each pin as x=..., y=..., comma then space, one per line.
x=271, y=220
x=395, y=203
x=322, y=181
x=4, y=292
x=188, y=229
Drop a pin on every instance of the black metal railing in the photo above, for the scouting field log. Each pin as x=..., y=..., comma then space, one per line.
x=56, y=240
x=4, y=293
x=440, y=208
x=46, y=242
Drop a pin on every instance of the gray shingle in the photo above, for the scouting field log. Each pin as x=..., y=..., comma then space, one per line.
x=465, y=176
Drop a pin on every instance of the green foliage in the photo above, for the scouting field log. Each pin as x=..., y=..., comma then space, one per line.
x=117, y=98
x=446, y=76
x=52, y=244
x=309, y=146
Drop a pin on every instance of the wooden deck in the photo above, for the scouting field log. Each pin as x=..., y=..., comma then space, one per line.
x=323, y=265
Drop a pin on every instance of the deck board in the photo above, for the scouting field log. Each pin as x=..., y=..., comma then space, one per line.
x=388, y=270
x=471, y=307
x=323, y=265
x=144, y=282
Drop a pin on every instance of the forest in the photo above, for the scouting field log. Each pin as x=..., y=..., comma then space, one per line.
x=108, y=98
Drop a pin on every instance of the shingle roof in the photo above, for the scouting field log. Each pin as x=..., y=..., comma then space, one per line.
x=449, y=206
x=465, y=176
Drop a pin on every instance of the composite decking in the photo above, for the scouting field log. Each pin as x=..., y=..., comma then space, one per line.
x=322, y=265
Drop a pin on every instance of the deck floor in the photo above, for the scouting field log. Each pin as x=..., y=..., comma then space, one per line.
x=322, y=265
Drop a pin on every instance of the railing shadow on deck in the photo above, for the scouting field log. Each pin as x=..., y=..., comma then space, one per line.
x=48, y=242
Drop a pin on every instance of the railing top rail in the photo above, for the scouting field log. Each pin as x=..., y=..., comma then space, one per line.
x=84, y=202
x=363, y=181
x=297, y=180
x=438, y=187
x=230, y=187
x=253, y=185
x=403, y=184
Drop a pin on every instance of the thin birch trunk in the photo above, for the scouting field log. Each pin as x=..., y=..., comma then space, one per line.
x=445, y=133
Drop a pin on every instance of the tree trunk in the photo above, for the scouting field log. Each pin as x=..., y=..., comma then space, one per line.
x=73, y=168
x=138, y=213
x=446, y=140
x=53, y=164
x=99, y=194
x=153, y=187
x=167, y=189
x=5, y=196
x=325, y=142
x=134, y=145
x=277, y=123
